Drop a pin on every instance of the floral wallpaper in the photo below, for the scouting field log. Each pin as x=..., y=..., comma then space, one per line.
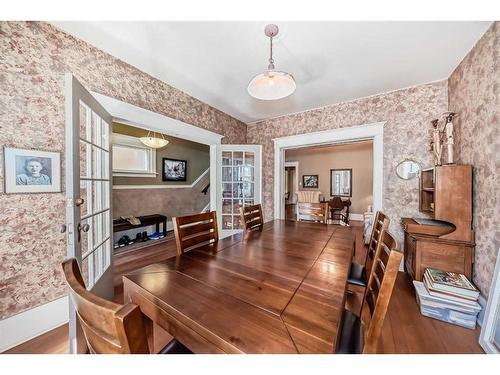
x=34, y=58
x=474, y=93
x=407, y=113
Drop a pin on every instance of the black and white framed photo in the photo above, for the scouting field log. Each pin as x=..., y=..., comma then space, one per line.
x=31, y=171
x=310, y=181
x=174, y=170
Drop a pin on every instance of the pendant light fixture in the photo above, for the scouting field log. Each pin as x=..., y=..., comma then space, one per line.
x=272, y=84
x=153, y=141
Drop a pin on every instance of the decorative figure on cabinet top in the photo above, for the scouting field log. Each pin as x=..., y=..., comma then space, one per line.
x=438, y=137
x=449, y=136
x=436, y=142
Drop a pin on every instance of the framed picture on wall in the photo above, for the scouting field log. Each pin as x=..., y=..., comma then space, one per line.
x=310, y=181
x=341, y=182
x=31, y=171
x=174, y=170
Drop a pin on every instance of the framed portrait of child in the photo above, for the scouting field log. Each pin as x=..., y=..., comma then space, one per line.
x=31, y=171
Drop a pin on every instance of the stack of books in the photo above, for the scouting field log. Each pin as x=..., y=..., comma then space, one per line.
x=448, y=296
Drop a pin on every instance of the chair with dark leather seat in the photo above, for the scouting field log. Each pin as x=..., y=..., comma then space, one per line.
x=358, y=274
x=110, y=328
x=360, y=334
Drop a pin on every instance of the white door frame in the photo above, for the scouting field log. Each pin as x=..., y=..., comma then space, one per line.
x=257, y=149
x=139, y=117
x=373, y=131
x=294, y=164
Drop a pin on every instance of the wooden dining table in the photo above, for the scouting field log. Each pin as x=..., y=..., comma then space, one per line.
x=278, y=290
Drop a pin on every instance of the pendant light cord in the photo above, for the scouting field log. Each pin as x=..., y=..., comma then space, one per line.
x=271, y=61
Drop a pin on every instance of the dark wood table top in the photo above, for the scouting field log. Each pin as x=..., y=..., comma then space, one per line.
x=276, y=291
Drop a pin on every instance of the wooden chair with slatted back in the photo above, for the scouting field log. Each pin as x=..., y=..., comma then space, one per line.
x=251, y=217
x=195, y=230
x=360, y=335
x=359, y=273
x=109, y=328
x=316, y=212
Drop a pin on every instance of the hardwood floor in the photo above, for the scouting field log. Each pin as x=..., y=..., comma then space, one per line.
x=290, y=213
x=52, y=342
x=405, y=329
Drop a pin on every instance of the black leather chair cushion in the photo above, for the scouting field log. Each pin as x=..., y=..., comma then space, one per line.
x=350, y=339
x=357, y=275
x=175, y=347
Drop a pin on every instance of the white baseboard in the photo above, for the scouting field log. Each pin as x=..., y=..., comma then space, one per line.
x=358, y=217
x=32, y=323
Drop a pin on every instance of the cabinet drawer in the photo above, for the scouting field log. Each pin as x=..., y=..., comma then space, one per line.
x=442, y=256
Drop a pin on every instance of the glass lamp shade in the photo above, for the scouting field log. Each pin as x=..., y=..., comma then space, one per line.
x=154, y=142
x=272, y=85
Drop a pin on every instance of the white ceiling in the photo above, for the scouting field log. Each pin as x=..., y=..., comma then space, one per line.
x=331, y=61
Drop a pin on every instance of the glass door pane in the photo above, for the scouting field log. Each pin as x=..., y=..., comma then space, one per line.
x=240, y=174
x=94, y=182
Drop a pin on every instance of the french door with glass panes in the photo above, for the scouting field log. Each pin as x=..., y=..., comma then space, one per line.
x=241, y=175
x=88, y=192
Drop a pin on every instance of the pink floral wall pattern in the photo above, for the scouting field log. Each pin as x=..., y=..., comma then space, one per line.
x=407, y=114
x=34, y=58
x=474, y=92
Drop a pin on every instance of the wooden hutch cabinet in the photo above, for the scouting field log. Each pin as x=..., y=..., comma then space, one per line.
x=446, y=241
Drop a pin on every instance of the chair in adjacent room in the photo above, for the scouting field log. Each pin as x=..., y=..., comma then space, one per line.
x=251, y=217
x=358, y=274
x=110, y=328
x=194, y=231
x=360, y=334
x=339, y=210
x=306, y=196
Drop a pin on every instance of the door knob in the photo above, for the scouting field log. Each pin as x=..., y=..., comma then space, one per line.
x=79, y=201
x=85, y=227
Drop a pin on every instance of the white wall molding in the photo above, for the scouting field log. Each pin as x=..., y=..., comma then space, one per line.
x=131, y=187
x=32, y=323
x=294, y=164
x=139, y=117
x=373, y=131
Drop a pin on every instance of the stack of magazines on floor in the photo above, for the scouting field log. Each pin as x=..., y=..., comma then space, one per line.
x=448, y=296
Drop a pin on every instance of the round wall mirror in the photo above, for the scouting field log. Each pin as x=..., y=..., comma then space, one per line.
x=408, y=169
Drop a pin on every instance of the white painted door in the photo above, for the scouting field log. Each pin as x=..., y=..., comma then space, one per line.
x=88, y=192
x=239, y=184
